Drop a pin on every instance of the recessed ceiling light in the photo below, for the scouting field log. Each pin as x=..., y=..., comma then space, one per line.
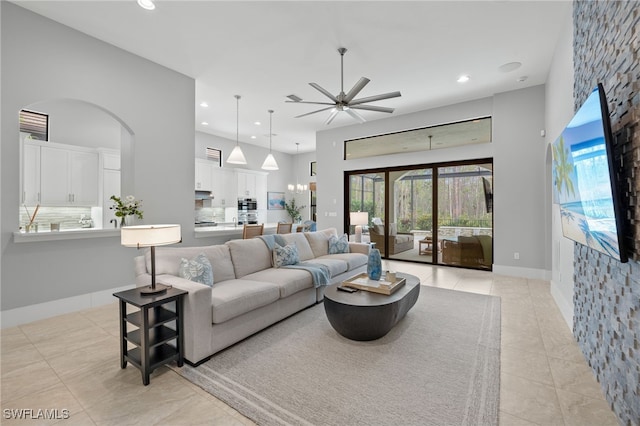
x=510, y=66
x=257, y=123
x=146, y=4
x=253, y=136
x=204, y=123
x=463, y=79
x=204, y=105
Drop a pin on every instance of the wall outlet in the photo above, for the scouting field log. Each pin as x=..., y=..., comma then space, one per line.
x=516, y=255
x=333, y=214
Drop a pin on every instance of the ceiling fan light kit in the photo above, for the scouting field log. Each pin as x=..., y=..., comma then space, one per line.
x=346, y=102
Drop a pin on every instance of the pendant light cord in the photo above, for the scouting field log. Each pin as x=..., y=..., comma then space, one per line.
x=270, y=128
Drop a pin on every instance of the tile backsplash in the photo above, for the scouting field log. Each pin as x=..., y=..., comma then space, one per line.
x=67, y=217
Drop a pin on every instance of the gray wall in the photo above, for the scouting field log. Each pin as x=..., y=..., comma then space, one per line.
x=558, y=113
x=78, y=123
x=518, y=151
x=153, y=102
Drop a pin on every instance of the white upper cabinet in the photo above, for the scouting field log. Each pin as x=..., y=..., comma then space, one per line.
x=203, y=175
x=223, y=188
x=59, y=175
x=30, y=174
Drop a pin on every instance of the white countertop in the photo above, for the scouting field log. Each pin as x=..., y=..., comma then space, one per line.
x=71, y=234
x=229, y=230
x=75, y=234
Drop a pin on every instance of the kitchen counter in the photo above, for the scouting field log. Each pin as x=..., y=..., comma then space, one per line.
x=229, y=231
x=71, y=234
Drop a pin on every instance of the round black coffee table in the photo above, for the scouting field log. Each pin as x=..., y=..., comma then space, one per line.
x=364, y=315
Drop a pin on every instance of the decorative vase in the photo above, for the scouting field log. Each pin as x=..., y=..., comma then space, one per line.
x=374, y=264
x=126, y=220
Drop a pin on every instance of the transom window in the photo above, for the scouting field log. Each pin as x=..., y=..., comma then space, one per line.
x=477, y=130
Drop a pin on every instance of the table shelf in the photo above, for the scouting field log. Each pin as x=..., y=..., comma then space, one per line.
x=155, y=343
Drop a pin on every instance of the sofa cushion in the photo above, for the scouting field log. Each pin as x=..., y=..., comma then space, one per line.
x=336, y=266
x=287, y=255
x=289, y=280
x=378, y=229
x=304, y=249
x=168, y=260
x=354, y=260
x=319, y=241
x=400, y=239
x=249, y=256
x=338, y=244
x=232, y=298
x=197, y=269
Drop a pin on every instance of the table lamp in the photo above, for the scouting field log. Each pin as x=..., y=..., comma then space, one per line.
x=150, y=236
x=358, y=219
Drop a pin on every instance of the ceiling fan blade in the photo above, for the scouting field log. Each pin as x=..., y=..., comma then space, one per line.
x=309, y=102
x=331, y=117
x=372, y=108
x=323, y=91
x=356, y=89
x=375, y=98
x=313, y=112
x=355, y=115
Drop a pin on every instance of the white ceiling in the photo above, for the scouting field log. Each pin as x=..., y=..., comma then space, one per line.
x=266, y=50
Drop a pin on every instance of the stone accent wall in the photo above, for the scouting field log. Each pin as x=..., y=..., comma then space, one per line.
x=607, y=292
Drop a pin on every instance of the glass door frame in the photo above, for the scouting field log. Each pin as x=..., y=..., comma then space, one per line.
x=385, y=172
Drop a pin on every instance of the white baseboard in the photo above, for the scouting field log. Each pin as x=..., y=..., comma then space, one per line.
x=27, y=314
x=535, y=274
x=565, y=306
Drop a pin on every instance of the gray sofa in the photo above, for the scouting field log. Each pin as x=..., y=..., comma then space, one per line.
x=248, y=294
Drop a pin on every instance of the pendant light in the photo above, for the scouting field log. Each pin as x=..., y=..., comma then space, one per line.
x=237, y=157
x=270, y=161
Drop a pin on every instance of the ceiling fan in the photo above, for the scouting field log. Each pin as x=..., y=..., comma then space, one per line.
x=346, y=102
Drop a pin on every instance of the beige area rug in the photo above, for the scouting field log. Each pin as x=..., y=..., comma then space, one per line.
x=440, y=365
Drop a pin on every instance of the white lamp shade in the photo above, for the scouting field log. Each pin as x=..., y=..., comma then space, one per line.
x=236, y=156
x=270, y=163
x=150, y=235
x=359, y=218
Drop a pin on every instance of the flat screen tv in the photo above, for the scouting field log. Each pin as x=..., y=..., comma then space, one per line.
x=584, y=179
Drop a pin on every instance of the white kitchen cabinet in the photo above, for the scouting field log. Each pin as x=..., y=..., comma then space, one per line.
x=246, y=185
x=223, y=188
x=252, y=184
x=83, y=178
x=203, y=175
x=68, y=177
x=30, y=174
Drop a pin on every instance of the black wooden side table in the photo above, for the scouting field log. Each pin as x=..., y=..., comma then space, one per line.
x=152, y=338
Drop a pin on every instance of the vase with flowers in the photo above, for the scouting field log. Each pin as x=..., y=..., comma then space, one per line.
x=124, y=209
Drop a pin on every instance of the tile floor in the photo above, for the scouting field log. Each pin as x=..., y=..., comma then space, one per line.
x=71, y=362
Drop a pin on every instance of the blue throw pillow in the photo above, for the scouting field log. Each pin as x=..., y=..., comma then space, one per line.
x=197, y=270
x=287, y=255
x=338, y=244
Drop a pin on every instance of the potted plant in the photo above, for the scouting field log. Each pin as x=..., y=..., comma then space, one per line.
x=127, y=207
x=293, y=210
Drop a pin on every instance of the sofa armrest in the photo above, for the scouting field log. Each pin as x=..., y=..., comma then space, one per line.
x=197, y=316
x=359, y=248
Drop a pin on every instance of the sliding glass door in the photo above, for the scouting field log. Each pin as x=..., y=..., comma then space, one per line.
x=440, y=213
x=366, y=208
x=410, y=212
x=465, y=209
